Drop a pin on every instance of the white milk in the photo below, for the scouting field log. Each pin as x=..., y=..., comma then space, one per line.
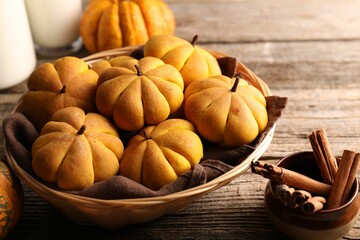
x=54, y=23
x=17, y=54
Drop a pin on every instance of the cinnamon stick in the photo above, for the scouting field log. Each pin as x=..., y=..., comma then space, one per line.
x=351, y=179
x=290, y=178
x=341, y=179
x=298, y=198
x=283, y=193
x=323, y=155
x=313, y=205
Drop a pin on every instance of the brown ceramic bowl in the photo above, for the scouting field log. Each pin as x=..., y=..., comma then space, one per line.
x=324, y=224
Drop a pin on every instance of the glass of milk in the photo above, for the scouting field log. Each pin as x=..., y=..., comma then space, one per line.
x=55, y=26
x=17, y=54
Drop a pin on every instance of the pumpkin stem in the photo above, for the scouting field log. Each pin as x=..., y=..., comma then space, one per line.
x=236, y=83
x=81, y=130
x=194, y=40
x=138, y=71
x=239, y=74
x=147, y=136
x=63, y=90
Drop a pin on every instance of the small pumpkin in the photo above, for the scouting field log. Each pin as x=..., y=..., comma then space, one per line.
x=226, y=111
x=75, y=150
x=192, y=61
x=108, y=24
x=161, y=153
x=139, y=92
x=11, y=200
x=53, y=86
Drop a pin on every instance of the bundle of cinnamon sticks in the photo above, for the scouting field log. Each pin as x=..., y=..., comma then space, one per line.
x=298, y=198
x=295, y=189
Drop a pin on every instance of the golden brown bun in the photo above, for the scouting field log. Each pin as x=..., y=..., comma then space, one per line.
x=161, y=153
x=53, y=86
x=73, y=159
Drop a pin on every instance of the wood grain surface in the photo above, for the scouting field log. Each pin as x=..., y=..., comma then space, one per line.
x=308, y=51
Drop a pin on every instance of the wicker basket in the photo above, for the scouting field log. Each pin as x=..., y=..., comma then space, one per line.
x=114, y=214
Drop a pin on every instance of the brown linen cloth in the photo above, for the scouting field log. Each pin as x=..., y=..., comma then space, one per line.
x=20, y=134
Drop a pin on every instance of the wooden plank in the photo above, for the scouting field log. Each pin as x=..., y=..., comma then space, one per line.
x=299, y=65
x=258, y=21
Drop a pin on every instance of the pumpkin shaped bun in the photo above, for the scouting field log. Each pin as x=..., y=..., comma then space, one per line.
x=75, y=150
x=108, y=24
x=139, y=92
x=161, y=153
x=53, y=86
x=192, y=61
x=226, y=111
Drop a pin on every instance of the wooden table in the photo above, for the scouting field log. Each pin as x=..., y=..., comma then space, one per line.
x=308, y=51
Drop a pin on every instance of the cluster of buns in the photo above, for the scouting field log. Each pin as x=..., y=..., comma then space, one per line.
x=169, y=100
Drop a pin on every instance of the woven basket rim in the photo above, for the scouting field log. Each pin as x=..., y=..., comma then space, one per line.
x=56, y=195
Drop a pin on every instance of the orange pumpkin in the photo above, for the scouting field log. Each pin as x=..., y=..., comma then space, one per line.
x=108, y=24
x=226, y=111
x=11, y=200
x=161, y=153
x=53, y=86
